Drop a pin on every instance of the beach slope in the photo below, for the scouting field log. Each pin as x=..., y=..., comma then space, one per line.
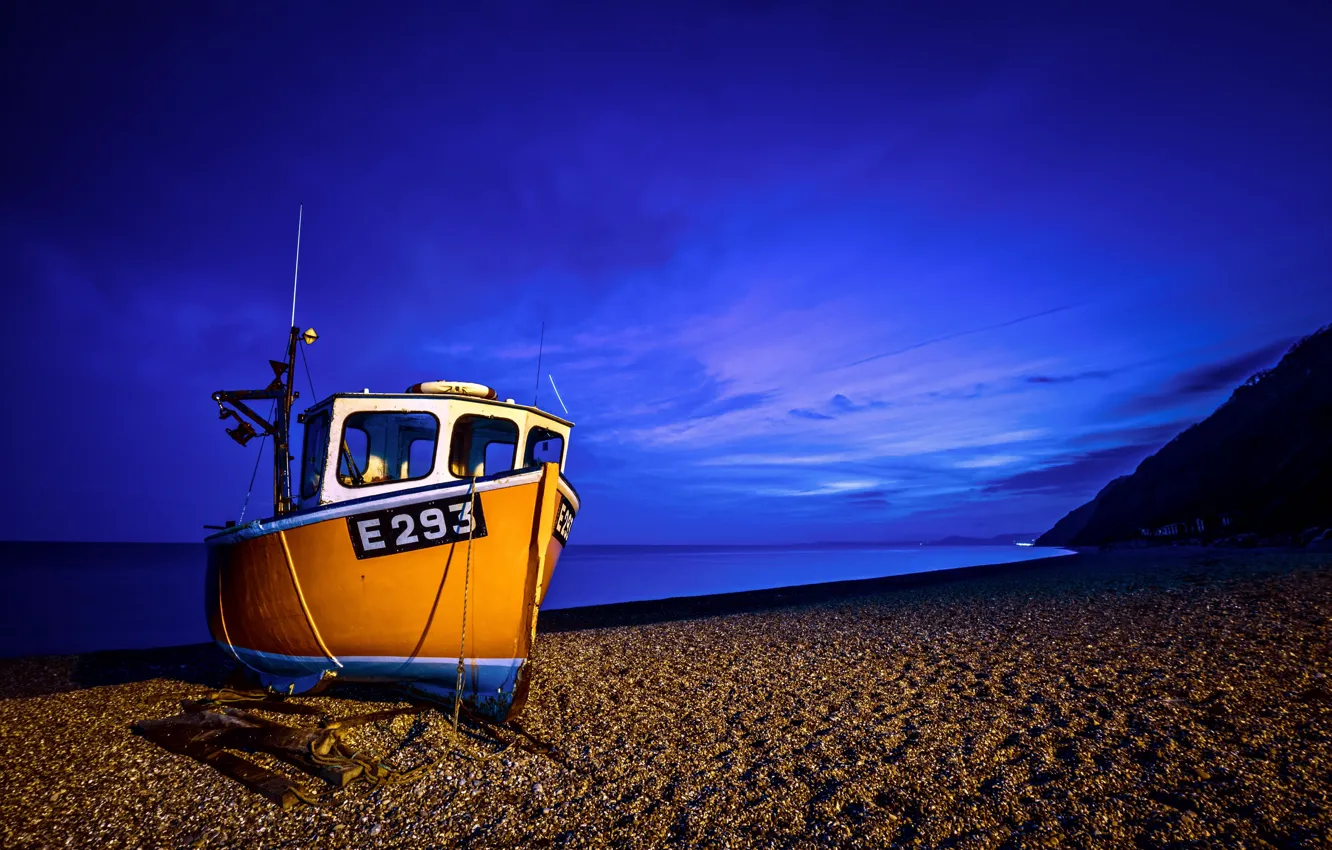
x=1101, y=700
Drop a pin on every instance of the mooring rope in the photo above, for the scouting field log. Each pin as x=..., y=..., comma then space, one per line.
x=300, y=595
x=222, y=618
x=467, y=589
x=375, y=772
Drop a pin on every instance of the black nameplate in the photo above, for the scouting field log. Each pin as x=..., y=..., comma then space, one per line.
x=416, y=526
x=564, y=521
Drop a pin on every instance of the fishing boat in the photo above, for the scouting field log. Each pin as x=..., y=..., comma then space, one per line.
x=415, y=546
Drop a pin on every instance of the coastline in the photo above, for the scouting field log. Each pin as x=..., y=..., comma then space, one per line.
x=1099, y=699
x=642, y=612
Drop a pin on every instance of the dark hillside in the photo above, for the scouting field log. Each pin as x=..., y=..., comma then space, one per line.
x=1263, y=459
x=1075, y=520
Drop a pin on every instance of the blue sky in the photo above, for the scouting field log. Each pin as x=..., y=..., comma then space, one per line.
x=860, y=273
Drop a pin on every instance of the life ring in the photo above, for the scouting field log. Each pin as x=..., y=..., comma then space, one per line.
x=453, y=388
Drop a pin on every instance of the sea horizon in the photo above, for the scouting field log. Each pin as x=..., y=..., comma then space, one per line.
x=87, y=596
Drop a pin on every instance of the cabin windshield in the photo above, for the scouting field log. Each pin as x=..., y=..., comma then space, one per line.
x=381, y=447
x=482, y=445
x=543, y=446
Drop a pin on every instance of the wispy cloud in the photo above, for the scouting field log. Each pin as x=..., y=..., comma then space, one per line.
x=960, y=334
x=1157, y=434
x=988, y=462
x=802, y=413
x=1208, y=379
x=1090, y=375
x=842, y=404
x=1076, y=474
x=827, y=489
x=780, y=459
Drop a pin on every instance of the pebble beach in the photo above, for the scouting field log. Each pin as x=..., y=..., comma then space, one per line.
x=1149, y=698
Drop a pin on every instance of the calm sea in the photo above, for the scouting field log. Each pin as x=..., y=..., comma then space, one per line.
x=62, y=598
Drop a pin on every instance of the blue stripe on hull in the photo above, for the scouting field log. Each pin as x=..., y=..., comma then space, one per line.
x=488, y=683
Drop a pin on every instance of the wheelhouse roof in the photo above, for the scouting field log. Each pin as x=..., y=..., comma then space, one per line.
x=445, y=397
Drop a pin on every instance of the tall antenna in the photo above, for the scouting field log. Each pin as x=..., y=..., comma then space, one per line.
x=282, y=392
x=300, y=215
x=536, y=393
x=291, y=365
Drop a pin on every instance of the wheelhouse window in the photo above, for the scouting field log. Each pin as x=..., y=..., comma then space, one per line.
x=382, y=447
x=313, y=453
x=482, y=445
x=543, y=446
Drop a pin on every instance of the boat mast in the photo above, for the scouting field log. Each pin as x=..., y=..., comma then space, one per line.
x=282, y=391
x=281, y=455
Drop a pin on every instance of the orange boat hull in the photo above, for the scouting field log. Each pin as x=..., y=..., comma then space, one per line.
x=324, y=593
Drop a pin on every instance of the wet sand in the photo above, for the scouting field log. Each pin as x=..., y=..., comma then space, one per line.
x=1149, y=698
